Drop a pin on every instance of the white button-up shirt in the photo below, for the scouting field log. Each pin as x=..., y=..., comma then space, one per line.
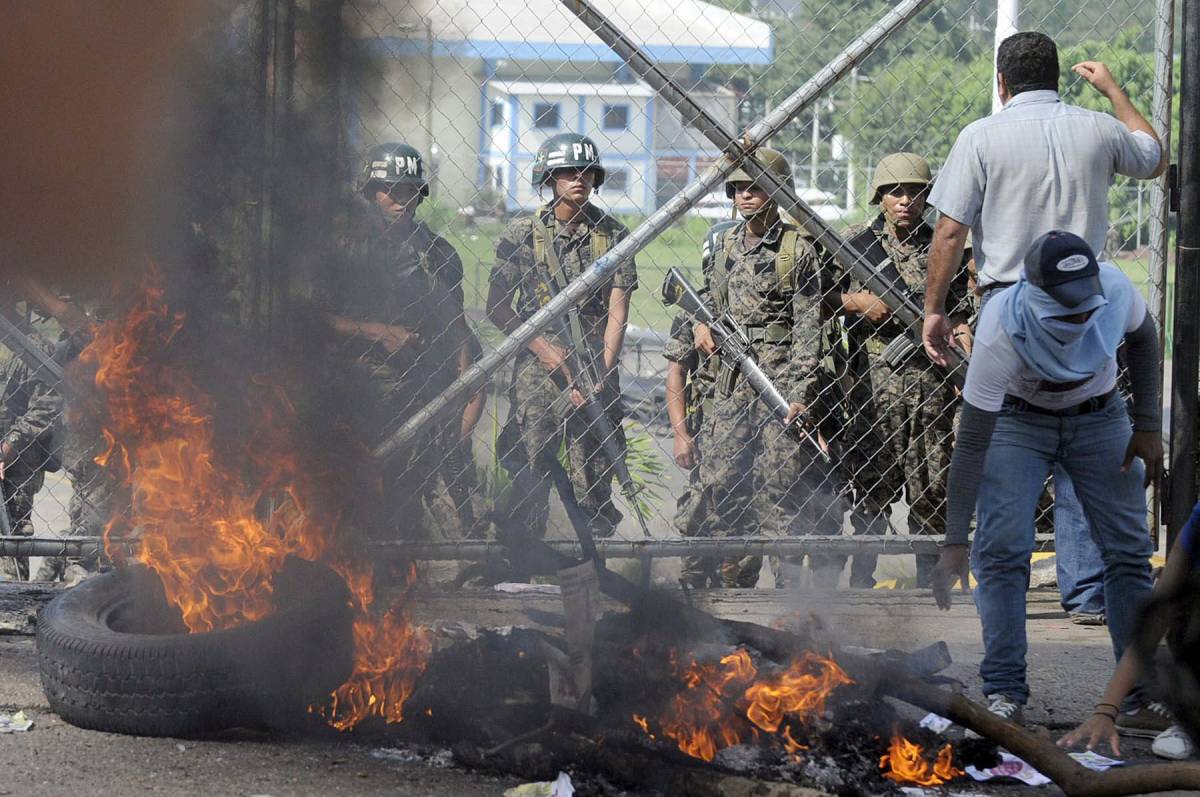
x=1036, y=166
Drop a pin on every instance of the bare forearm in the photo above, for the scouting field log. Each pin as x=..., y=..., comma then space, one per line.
x=676, y=397
x=1128, y=115
x=614, y=331
x=945, y=257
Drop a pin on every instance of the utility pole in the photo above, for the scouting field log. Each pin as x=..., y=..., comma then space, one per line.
x=1007, y=12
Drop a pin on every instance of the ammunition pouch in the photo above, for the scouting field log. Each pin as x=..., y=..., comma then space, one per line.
x=897, y=353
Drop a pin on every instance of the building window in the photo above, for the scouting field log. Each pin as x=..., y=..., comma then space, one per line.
x=497, y=113
x=616, y=117
x=545, y=115
x=616, y=180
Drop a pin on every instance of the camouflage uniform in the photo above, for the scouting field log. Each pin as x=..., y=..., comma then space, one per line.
x=29, y=413
x=693, y=507
x=761, y=480
x=408, y=276
x=94, y=496
x=903, y=426
x=542, y=407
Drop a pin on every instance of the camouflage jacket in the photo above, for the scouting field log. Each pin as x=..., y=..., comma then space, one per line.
x=530, y=284
x=31, y=414
x=410, y=277
x=912, y=261
x=756, y=299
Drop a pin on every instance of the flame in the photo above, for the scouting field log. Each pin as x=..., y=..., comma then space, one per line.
x=905, y=762
x=728, y=703
x=216, y=524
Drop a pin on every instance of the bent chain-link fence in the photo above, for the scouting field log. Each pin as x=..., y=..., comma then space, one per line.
x=475, y=89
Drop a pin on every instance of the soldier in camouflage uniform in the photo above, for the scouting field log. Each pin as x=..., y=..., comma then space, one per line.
x=535, y=259
x=903, y=422
x=770, y=280
x=400, y=321
x=29, y=413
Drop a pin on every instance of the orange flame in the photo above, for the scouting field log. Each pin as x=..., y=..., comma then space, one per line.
x=728, y=703
x=216, y=524
x=905, y=762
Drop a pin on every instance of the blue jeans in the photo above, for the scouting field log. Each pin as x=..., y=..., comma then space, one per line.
x=1077, y=558
x=1090, y=449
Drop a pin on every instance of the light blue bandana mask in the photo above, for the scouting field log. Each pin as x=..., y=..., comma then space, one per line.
x=1057, y=350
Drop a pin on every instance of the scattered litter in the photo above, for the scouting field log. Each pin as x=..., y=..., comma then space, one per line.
x=559, y=787
x=441, y=758
x=15, y=723
x=1010, y=767
x=1093, y=760
x=936, y=723
x=530, y=589
x=181, y=748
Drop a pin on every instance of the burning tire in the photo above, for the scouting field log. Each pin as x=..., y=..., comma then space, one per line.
x=114, y=656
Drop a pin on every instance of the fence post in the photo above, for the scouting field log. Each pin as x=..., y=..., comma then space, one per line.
x=1185, y=369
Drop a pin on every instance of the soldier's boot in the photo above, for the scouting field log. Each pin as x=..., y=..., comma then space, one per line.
x=827, y=570
x=742, y=572
x=787, y=570
x=699, y=572
x=862, y=566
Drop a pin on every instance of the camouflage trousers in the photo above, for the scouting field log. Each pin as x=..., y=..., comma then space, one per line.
x=693, y=514
x=903, y=441
x=452, y=500
x=548, y=421
x=93, y=500
x=760, y=481
x=20, y=486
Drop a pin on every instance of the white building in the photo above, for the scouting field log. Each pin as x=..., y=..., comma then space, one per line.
x=479, y=86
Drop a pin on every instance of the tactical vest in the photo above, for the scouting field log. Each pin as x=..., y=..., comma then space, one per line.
x=776, y=333
x=546, y=256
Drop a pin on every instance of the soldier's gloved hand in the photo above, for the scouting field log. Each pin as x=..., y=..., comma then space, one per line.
x=953, y=565
x=685, y=451
x=703, y=338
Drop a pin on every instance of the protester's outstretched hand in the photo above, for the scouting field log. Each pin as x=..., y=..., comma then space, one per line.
x=1148, y=447
x=1097, y=728
x=953, y=565
x=938, y=338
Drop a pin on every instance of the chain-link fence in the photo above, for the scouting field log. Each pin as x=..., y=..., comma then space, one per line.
x=613, y=422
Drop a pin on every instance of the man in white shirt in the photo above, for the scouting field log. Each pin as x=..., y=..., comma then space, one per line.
x=1041, y=392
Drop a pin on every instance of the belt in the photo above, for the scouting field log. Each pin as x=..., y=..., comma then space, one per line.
x=1094, y=404
x=769, y=333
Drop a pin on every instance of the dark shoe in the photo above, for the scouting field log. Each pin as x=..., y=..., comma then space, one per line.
x=1145, y=722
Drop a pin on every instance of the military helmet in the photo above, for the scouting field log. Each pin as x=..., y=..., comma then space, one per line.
x=772, y=160
x=392, y=164
x=566, y=151
x=899, y=168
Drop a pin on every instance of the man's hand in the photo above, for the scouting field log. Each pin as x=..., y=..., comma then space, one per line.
x=702, y=335
x=685, y=451
x=392, y=337
x=869, y=306
x=1147, y=446
x=795, y=410
x=953, y=565
x=1097, y=728
x=1096, y=73
x=7, y=455
x=938, y=337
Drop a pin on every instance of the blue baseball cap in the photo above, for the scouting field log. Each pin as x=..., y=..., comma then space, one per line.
x=1064, y=266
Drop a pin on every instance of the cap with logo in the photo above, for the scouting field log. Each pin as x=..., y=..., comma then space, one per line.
x=1064, y=266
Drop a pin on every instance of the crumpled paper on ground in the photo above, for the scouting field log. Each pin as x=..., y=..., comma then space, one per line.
x=15, y=723
x=559, y=787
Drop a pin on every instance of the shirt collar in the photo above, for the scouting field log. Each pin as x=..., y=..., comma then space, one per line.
x=1033, y=97
x=773, y=233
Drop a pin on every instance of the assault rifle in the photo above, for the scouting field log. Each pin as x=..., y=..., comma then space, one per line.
x=599, y=424
x=736, y=347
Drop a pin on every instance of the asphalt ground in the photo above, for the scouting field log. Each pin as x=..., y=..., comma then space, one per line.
x=1068, y=668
